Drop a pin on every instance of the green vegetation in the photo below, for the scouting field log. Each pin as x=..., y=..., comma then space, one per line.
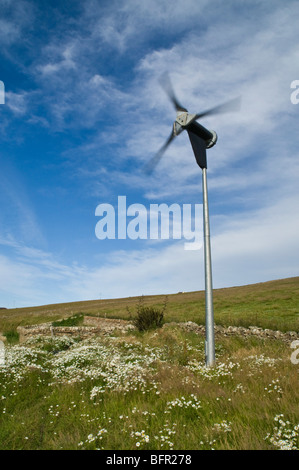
x=150, y=389
x=74, y=320
x=273, y=305
x=149, y=318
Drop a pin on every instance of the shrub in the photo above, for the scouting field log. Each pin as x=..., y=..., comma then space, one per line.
x=12, y=336
x=149, y=318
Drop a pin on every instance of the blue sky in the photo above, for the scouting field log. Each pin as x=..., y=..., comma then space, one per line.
x=84, y=112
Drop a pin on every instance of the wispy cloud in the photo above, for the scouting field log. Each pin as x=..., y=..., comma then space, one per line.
x=241, y=249
x=64, y=63
x=17, y=102
x=16, y=17
x=17, y=218
x=123, y=27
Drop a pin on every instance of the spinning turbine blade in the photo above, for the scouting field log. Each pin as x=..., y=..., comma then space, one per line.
x=156, y=158
x=229, y=106
x=167, y=86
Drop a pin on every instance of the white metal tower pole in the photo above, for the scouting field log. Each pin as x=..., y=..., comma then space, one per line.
x=210, y=341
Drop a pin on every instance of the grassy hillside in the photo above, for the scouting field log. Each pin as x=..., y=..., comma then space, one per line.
x=151, y=390
x=273, y=305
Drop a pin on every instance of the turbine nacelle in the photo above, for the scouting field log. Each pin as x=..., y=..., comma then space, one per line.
x=183, y=122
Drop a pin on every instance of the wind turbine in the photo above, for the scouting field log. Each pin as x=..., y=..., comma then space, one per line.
x=201, y=139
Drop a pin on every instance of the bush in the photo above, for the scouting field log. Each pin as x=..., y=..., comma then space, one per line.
x=149, y=318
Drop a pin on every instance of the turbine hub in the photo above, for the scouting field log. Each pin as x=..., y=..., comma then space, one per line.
x=183, y=119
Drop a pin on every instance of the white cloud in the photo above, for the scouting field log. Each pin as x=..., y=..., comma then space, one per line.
x=259, y=246
x=124, y=26
x=247, y=248
x=8, y=32
x=17, y=217
x=17, y=102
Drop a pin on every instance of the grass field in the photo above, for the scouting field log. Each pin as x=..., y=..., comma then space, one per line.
x=152, y=390
x=273, y=304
